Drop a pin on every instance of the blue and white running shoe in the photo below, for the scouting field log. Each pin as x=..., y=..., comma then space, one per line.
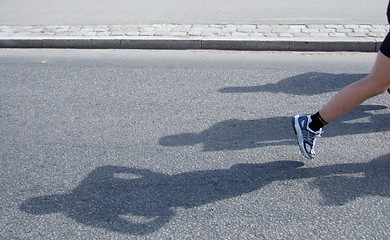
x=306, y=136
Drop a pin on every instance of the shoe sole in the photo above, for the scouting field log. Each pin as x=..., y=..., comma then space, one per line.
x=298, y=135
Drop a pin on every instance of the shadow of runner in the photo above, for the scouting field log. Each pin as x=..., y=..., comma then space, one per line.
x=312, y=83
x=111, y=195
x=116, y=198
x=341, y=188
x=235, y=134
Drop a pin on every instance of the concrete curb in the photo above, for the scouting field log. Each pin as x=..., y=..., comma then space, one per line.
x=326, y=45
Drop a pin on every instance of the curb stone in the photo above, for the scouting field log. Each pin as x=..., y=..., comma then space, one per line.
x=361, y=38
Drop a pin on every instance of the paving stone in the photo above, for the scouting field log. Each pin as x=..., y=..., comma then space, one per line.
x=76, y=34
x=366, y=26
x=327, y=30
x=294, y=30
x=281, y=26
x=178, y=34
x=289, y=35
x=240, y=34
x=181, y=28
x=319, y=35
x=310, y=30
x=361, y=30
x=257, y=34
x=74, y=28
x=258, y=31
x=302, y=35
x=351, y=26
x=100, y=34
x=89, y=34
x=135, y=33
x=344, y=30
x=378, y=30
x=146, y=33
x=354, y=34
x=335, y=26
x=263, y=27
x=273, y=35
x=262, y=30
x=146, y=28
x=375, y=35
x=232, y=25
x=161, y=33
x=246, y=28
x=336, y=34
x=101, y=29
x=315, y=26
x=297, y=26
x=194, y=33
x=5, y=34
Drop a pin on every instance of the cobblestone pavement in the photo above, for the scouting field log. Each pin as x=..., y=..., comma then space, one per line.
x=212, y=30
x=282, y=37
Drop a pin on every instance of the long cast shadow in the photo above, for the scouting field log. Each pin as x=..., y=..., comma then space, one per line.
x=140, y=201
x=114, y=197
x=312, y=83
x=235, y=134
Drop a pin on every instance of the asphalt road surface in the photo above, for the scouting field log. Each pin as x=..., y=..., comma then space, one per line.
x=95, y=12
x=112, y=144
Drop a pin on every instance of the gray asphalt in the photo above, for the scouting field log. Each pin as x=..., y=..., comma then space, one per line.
x=74, y=12
x=125, y=144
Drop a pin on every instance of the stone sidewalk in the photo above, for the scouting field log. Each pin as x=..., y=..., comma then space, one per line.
x=297, y=37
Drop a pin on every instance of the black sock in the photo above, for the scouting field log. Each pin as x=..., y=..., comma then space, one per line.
x=316, y=122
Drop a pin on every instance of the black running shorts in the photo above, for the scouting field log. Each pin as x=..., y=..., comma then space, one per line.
x=385, y=47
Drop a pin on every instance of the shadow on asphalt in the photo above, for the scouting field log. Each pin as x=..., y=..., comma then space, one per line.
x=140, y=201
x=235, y=134
x=308, y=84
